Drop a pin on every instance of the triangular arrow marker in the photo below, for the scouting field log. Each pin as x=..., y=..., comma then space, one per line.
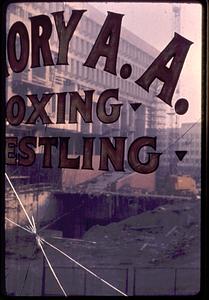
x=180, y=154
x=135, y=106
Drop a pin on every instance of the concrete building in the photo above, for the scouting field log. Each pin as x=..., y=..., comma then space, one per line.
x=149, y=119
x=191, y=142
x=187, y=138
x=75, y=76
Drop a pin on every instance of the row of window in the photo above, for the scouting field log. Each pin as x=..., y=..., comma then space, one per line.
x=98, y=76
x=19, y=11
x=75, y=70
x=91, y=28
x=83, y=47
x=47, y=6
x=134, y=53
x=88, y=27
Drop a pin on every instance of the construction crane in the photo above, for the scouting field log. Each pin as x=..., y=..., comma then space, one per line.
x=176, y=24
x=173, y=118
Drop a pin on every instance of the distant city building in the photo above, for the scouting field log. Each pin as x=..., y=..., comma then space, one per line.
x=75, y=76
x=187, y=138
x=191, y=142
x=149, y=119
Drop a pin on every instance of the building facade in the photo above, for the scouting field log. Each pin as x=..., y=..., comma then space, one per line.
x=149, y=119
x=191, y=142
x=187, y=138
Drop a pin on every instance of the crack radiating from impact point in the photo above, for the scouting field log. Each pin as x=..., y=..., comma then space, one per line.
x=32, y=230
x=18, y=198
x=85, y=268
x=24, y=228
x=39, y=242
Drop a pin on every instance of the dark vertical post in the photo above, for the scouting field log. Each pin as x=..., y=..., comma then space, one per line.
x=126, y=290
x=175, y=275
x=134, y=283
x=43, y=278
x=84, y=283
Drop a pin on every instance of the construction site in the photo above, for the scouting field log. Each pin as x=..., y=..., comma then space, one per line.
x=124, y=236
x=85, y=232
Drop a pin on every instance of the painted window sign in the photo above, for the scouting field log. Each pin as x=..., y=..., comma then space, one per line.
x=103, y=148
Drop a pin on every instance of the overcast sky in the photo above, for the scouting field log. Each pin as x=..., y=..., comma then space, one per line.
x=154, y=23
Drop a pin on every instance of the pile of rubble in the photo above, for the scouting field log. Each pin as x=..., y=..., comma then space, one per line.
x=165, y=235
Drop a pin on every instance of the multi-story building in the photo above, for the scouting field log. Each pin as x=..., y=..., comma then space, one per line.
x=191, y=142
x=148, y=119
x=187, y=138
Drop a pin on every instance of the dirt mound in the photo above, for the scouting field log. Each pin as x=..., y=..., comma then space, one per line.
x=163, y=234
